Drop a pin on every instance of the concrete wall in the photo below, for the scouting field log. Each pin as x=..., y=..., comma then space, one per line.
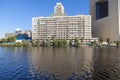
x=108, y=26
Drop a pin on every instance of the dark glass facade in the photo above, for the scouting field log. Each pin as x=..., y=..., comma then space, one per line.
x=101, y=9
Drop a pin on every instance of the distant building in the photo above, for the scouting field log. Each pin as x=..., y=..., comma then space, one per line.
x=26, y=35
x=10, y=35
x=17, y=32
x=62, y=26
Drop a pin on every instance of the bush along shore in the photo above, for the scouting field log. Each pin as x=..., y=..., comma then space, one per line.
x=12, y=42
x=42, y=43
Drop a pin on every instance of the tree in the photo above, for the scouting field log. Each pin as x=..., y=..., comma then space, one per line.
x=33, y=42
x=25, y=43
x=117, y=44
x=77, y=42
x=65, y=43
x=82, y=40
x=4, y=40
x=54, y=37
x=18, y=44
x=101, y=40
x=11, y=39
x=55, y=43
x=48, y=43
x=70, y=43
x=108, y=41
x=43, y=43
x=37, y=43
x=93, y=43
x=60, y=43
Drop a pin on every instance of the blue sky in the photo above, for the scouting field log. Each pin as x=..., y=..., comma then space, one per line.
x=19, y=13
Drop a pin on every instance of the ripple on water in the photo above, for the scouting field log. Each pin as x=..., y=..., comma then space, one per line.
x=59, y=64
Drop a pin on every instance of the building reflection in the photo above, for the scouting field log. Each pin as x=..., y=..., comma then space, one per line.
x=106, y=64
x=62, y=62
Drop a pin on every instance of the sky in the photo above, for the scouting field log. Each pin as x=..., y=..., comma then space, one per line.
x=19, y=13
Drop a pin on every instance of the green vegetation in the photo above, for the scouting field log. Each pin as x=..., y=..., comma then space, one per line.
x=47, y=44
x=65, y=43
x=101, y=41
x=108, y=41
x=11, y=42
x=8, y=40
x=4, y=40
x=54, y=37
x=37, y=43
x=11, y=39
x=26, y=43
x=117, y=44
x=93, y=43
x=77, y=43
x=18, y=44
x=82, y=40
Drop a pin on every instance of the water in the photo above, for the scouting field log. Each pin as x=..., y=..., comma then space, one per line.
x=59, y=63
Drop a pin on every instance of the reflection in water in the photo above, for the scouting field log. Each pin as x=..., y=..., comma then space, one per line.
x=107, y=64
x=60, y=63
x=63, y=62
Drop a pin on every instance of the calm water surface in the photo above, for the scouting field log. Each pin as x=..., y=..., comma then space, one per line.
x=59, y=63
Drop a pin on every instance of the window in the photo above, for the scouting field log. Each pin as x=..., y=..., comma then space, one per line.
x=101, y=9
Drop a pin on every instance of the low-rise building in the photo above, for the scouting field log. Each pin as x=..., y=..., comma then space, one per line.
x=10, y=35
x=26, y=35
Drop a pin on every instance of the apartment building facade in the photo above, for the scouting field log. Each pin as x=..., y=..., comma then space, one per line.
x=62, y=26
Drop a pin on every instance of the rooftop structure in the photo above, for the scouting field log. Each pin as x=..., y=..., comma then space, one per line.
x=59, y=10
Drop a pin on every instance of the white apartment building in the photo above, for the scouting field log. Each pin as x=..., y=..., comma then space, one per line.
x=62, y=26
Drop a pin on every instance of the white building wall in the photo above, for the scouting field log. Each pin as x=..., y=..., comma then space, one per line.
x=64, y=27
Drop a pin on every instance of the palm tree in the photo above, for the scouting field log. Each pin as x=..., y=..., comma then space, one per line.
x=48, y=43
x=101, y=40
x=82, y=40
x=108, y=41
x=117, y=44
x=54, y=40
x=77, y=42
x=60, y=43
x=54, y=37
x=33, y=42
x=38, y=43
x=65, y=43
